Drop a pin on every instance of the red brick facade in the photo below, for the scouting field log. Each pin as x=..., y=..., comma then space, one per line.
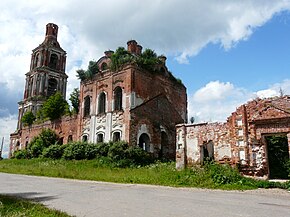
x=241, y=140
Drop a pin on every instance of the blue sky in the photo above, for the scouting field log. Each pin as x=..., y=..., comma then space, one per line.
x=226, y=52
x=255, y=63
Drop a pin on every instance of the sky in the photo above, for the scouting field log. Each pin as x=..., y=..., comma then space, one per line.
x=226, y=52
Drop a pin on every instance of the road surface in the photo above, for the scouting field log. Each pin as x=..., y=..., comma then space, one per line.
x=89, y=198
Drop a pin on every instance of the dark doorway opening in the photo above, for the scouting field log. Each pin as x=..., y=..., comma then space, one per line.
x=164, y=152
x=144, y=142
x=207, y=152
x=278, y=156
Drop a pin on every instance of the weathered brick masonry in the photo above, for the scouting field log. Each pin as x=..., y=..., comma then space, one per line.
x=131, y=103
x=241, y=140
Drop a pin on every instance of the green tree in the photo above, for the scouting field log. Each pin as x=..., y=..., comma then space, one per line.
x=148, y=60
x=75, y=100
x=28, y=118
x=93, y=69
x=55, y=107
x=120, y=57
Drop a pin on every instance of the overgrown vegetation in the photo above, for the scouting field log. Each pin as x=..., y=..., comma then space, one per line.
x=117, y=162
x=55, y=107
x=118, y=154
x=147, y=60
x=75, y=100
x=89, y=73
x=28, y=118
x=101, y=169
x=52, y=109
x=12, y=207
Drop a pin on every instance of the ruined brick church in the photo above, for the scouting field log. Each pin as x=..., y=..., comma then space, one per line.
x=149, y=110
x=130, y=104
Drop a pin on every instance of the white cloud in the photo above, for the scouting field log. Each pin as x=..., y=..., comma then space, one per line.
x=7, y=126
x=275, y=89
x=217, y=100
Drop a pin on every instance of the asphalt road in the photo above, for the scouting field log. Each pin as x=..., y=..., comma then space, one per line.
x=88, y=198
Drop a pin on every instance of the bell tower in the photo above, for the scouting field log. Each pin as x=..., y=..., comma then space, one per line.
x=46, y=75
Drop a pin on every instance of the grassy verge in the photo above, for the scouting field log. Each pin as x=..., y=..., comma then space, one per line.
x=13, y=207
x=211, y=176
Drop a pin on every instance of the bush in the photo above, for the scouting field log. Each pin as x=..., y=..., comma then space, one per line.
x=139, y=156
x=53, y=152
x=222, y=174
x=91, y=151
x=21, y=154
x=102, y=149
x=117, y=151
x=36, y=148
x=48, y=137
x=75, y=151
x=45, y=139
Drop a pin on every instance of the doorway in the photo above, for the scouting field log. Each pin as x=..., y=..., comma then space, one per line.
x=144, y=142
x=278, y=156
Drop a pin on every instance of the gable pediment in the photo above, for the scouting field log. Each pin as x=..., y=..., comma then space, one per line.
x=270, y=112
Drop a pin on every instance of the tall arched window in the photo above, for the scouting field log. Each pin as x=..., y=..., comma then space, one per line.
x=87, y=106
x=53, y=61
x=37, y=60
x=118, y=99
x=104, y=66
x=52, y=86
x=102, y=103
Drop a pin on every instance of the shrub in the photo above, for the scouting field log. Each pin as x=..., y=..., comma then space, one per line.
x=117, y=151
x=36, y=148
x=102, y=149
x=91, y=151
x=48, y=137
x=222, y=174
x=75, y=151
x=139, y=156
x=28, y=118
x=53, y=152
x=21, y=154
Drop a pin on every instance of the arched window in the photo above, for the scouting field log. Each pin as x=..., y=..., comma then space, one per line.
x=100, y=137
x=118, y=99
x=116, y=136
x=52, y=86
x=70, y=138
x=144, y=142
x=85, y=138
x=102, y=103
x=87, y=106
x=36, y=60
x=104, y=66
x=53, y=61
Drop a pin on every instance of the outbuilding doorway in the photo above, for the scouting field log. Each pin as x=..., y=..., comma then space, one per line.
x=278, y=156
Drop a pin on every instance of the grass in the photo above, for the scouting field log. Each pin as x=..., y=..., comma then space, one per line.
x=212, y=176
x=14, y=207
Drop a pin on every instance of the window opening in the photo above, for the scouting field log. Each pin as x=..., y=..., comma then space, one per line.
x=102, y=103
x=87, y=105
x=118, y=98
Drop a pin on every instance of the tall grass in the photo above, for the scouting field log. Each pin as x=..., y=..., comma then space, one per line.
x=13, y=207
x=209, y=176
